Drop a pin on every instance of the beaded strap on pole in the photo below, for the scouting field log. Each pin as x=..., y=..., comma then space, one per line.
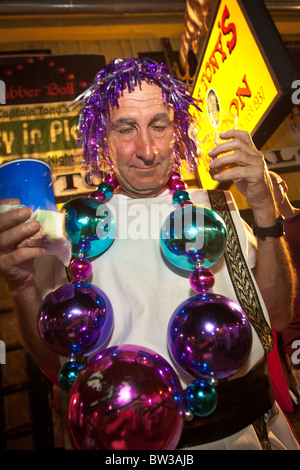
x=239, y=273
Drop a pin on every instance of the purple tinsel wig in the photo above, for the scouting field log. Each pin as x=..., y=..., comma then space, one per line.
x=104, y=93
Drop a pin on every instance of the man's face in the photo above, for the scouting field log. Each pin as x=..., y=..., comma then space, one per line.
x=140, y=135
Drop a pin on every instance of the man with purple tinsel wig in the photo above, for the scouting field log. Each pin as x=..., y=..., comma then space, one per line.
x=133, y=124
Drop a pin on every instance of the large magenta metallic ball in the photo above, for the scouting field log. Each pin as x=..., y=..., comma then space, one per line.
x=126, y=398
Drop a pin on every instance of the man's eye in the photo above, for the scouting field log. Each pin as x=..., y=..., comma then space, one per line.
x=159, y=128
x=126, y=130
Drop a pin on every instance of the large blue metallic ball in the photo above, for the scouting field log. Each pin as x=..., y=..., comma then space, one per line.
x=193, y=234
x=89, y=225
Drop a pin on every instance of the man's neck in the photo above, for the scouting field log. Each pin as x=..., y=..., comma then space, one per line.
x=141, y=194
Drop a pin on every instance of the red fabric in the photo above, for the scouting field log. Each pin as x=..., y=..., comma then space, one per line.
x=292, y=332
x=52, y=377
x=278, y=380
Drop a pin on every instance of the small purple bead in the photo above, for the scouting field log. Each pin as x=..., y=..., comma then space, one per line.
x=80, y=268
x=202, y=279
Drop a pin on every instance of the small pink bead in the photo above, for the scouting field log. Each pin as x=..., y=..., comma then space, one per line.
x=80, y=268
x=175, y=175
x=176, y=185
x=202, y=279
x=112, y=180
x=184, y=203
x=99, y=195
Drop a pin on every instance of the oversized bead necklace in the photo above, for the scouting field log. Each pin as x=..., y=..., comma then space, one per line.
x=208, y=335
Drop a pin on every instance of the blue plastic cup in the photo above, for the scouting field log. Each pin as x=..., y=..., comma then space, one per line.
x=29, y=181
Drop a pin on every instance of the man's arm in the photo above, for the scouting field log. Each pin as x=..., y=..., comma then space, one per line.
x=27, y=301
x=275, y=277
x=17, y=268
x=273, y=272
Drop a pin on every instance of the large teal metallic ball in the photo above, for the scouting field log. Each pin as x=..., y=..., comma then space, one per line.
x=193, y=234
x=89, y=225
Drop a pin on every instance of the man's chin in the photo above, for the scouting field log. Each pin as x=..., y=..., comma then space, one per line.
x=142, y=190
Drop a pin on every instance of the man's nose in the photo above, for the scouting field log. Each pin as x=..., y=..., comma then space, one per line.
x=144, y=146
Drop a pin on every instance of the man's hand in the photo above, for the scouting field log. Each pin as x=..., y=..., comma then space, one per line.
x=17, y=263
x=246, y=168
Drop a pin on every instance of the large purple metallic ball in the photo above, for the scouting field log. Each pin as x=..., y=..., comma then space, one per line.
x=209, y=332
x=76, y=319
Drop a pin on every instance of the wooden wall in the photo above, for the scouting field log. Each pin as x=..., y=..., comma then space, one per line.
x=109, y=48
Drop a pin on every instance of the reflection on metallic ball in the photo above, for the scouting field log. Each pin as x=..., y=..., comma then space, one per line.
x=193, y=234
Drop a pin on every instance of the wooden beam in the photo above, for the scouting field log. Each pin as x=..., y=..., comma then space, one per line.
x=89, y=27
